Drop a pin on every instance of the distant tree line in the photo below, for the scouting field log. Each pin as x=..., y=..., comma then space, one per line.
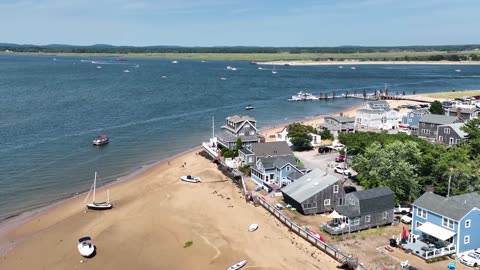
x=233, y=49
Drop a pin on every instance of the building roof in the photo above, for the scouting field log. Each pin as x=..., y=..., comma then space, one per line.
x=309, y=185
x=232, y=138
x=378, y=102
x=246, y=152
x=240, y=118
x=454, y=207
x=438, y=119
x=277, y=162
x=420, y=111
x=370, y=200
x=456, y=127
x=342, y=119
x=295, y=175
x=272, y=149
x=463, y=110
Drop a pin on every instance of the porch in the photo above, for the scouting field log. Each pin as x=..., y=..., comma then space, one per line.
x=434, y=241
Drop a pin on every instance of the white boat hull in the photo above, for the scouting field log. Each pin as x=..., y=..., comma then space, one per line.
x=252, y=227
x=238, y=265
x=100, y=206
x=86, y=249
x=191, y=180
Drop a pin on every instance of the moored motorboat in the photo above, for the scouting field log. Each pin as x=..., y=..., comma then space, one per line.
x=253, y=227
x=238, y=265
x=189, y=178
x=101, y=140
x=85, y=246
x=249, y=107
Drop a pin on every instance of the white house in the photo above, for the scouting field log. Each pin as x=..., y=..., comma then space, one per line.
x=282, y=136
x=376, y=115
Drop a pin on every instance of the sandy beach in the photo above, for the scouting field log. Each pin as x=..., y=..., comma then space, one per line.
x=350, y=63
x=154, y=215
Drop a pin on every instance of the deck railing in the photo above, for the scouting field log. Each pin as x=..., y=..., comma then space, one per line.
x=331, y=251
x=440, y=252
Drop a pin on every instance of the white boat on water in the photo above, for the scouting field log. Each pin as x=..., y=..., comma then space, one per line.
x=231, y=68
x=99, y=66
x=238, y=265
x=340, y=67
x=273, y=70
x=249, y=107
x=353, y=68
x=189, y=178
x=98, y=205
x=164, y=77
x=136, y=66
x=260, y=68
x=174, y=62
x=252, y=227
x=85, y=246
x=126, y=71
x=458, y=70
x=303, y=96
x=223, y=79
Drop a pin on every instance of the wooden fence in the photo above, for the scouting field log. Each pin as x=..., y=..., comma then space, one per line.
x=331, y=251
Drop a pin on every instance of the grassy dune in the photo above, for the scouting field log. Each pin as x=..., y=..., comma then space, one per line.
x=456, y=94
x=262, y=56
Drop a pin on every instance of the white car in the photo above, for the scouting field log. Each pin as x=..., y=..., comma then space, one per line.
x=338, y=147
x=471, y=258
x=339, y=169
x=399, y=209
x=407, y=219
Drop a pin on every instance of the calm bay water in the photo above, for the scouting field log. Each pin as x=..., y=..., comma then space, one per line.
x=50, y=110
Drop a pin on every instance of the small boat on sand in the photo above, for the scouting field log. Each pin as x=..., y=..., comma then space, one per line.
x=85, y=246
x=105, y=205
x=189, y=178
x=238, y=265
x=101, y=140
x=252, y=227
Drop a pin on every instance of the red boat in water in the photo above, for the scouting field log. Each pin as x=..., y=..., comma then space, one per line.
x=101, y=140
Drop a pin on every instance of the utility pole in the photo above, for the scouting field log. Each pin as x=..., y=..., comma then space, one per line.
x=449, y=181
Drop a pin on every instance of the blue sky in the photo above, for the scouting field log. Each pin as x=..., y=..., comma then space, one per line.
x=242, y=22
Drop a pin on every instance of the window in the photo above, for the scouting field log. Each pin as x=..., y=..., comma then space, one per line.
x=466, y=239
x=418, y=224
x=468, y=222
x=279, y=136
x=410, y=120
x=367, y=218
x=356, y=222
x=432, y=125
x=335, y=189
x=457, y=141
x=448, y=223
x=422, y=213
x=326, y=202
x=288, y=168
x=340, y=202
x=452, y=141
x=440, y=138
x=385, y=215
x=423, y=124
x=447, y=131
x=310, y=205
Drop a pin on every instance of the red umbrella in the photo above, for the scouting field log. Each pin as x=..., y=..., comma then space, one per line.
x=404, y=233
x=321, y=239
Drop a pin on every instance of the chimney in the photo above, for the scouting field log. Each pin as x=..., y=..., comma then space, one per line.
x=341, y=114
x=459, y=112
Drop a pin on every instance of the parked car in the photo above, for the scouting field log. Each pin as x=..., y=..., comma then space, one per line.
x=339, y=169
x=338, y=147
x=472, y=258
x=349, y=189
x=340, y=158
x=402, y=209
x=407, y=219
x=324, y=149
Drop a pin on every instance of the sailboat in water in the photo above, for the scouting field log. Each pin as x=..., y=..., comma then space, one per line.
x=98, y=205
x=273, y=70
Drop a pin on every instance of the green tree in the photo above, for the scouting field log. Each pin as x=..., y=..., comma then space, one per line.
x=238, y=146
x=392, y=165
x=227, y=153
x=326, y=134
x=472, y=140
x=436, y=108
x=299, y=136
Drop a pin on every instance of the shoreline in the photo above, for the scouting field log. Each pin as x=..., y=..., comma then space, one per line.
x=360, y=62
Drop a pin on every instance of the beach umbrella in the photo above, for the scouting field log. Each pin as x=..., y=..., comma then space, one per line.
x=335, y=214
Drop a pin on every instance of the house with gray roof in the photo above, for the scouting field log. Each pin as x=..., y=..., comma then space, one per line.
x=412, y=119
x=362, y=210
x=450, y=134
x=451, y=224
x=338, y=124
x=428, y=125
x=239, y=126
x=376, y=115
x=273, y=173
x=250, y=154
x=463, y=113
x=315, y=192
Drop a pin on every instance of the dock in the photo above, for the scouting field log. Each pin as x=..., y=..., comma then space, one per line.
x=415, y=98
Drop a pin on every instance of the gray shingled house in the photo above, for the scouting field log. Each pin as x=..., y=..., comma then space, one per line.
x=450, y=134
x=315, y=192
x=362, y=210
x=428, y=125
x=463, y=113
x=239, y=126
x=338, y=124
x=250, y=154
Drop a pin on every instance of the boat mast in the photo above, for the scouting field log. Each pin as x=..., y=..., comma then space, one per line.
x=108, y=195
x=94, y=185
x=213, y=127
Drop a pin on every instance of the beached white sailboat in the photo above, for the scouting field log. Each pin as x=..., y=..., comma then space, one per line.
x=252, y=227
x=189, y=178
x=85, y=246
x=238, y=265
x=98, y=205
x=273, y=70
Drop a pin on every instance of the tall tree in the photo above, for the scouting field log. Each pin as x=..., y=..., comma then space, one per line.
x=472, y=128
x=299, y=136
x=436, y=108
x=392, y=165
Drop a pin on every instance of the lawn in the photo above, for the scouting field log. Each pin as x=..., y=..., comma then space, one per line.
x=452, y=95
